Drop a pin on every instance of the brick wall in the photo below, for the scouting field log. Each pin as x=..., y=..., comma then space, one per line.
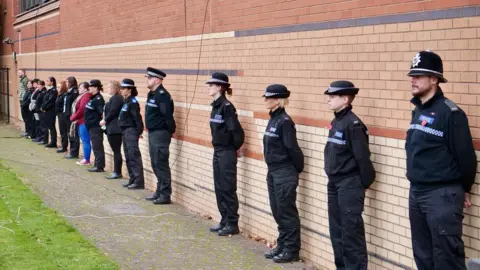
x=373, y=52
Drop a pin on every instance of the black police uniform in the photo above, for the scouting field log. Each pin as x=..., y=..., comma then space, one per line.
x=350, y=171
x=131, y=123
x=48, y=107
x=227, y=137
x=441, y=167
x=41, y=119
x=161, y=125
x=65, y=123
x=93, y=116
x=59, y=103
x=114, y=132
x=36, y=133
x=285, y=161
x=26, y=113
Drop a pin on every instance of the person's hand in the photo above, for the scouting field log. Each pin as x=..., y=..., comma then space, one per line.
x=140, y=137
x=467, y=202
x=240, y=152
x=102, y=123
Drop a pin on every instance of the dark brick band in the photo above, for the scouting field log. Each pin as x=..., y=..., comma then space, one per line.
x=139, y=71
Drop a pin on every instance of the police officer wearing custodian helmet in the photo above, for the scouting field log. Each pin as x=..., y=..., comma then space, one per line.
x=161, y=125
x=285, y=161
x=441, y=166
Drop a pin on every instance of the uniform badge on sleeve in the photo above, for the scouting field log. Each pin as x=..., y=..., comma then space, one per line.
x=339, y=134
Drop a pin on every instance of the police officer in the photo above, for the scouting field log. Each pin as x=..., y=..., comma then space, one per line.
x=93, y=116
x=285, y=161
x=161, y=125
x=350, y=171
x=41, y=115
x=131, y=123
x=227, y=138
x=441, y=166
x=49, y=114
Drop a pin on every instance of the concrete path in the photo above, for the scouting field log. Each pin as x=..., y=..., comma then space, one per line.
x=130, y=230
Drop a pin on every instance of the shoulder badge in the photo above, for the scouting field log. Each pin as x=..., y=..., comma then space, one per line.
x=98, y=97
x=453, y=107
x=134, y=100
x=227, y=104
x=162, y=92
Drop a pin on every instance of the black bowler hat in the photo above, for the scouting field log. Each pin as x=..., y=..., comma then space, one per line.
x=128, y=83
x=153, y=72
x=341, y=88
x=276, y=91
x=427, y=63
x=218, y=78
x=95, y=83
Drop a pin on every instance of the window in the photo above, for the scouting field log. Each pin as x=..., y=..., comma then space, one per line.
x=26, y=5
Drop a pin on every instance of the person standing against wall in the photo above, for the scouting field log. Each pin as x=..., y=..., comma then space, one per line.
x=59, y=105
x=350, y=172
x=285, y=161
x=41, y=115
x=78, y=128
x=113, y=130
x=22, y=90
x=227, y=138
x=48, y=109
x=93, y=116
x=33, y=110
x=25, y=104
x=131, y=123
x=68, y=99
x=441, y=168
x=161, y=125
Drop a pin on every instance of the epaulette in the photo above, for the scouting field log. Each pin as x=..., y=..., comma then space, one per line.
x=134, y=100
x=453, y=107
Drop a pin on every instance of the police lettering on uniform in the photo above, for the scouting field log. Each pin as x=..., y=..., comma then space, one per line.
x=93, y=116
x=350, y=171
x=285, y=161
x=160, y=124
x=227, y=138
x=131, y=123
x=441, y=167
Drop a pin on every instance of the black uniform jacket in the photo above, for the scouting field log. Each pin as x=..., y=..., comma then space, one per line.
x=130, y=115
x=227, y=132
x=159, y=111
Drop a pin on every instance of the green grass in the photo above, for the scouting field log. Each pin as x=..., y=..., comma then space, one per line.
x=40, y=241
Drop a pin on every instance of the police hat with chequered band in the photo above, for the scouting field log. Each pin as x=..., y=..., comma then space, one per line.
x=218, y=78
x=153, y=72
x=95, y=83
x=276, y=91
x=427, y=63
x=341, y=88
x=128, y=83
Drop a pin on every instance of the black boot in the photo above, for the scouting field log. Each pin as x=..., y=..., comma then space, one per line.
x=286, y=257
x=61, y=150
x=130, y=181
x=273, y=252
x=217, y=228
x=228, y=230
x=114, y=176
x=136, y=186
x=95, y=169
x=154, y=196
x=162, y=200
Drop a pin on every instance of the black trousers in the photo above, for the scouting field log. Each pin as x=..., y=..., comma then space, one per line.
x=133, y=155
x=225, y=181
x=74, y=140
x=282, y=191
x=115, y=141
x=33, y=125
x=26, y=119
x=64, y=127
x=436, y=225
x=96, y=137
x=159, y=144
x=49, y=128
x=41, y=125
x=346, y=200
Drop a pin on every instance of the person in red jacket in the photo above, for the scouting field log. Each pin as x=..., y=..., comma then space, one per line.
x=78, y=122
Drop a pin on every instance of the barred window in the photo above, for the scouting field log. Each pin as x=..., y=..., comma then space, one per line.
x=26, y=5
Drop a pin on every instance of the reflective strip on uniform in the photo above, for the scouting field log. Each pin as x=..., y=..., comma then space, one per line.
x=337, y=141
x=89, y=107
x=217, y=120
x=428, y=130
x=152, y=105
x=271, y=134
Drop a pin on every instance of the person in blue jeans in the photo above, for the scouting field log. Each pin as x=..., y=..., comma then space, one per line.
x=78, y=122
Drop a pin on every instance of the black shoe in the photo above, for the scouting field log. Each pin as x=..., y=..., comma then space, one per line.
x=217, y=228
x=273, y=252
x=162, y=200
x=228, y=230
x=42, y=143
x=24, y=134
x=114, y=176
x=61, y=150
x=286, y=257
x=50, y=145
x=70, y=156
x=130, y=181
x=36, y=140
x=154, y=196
x=136, y=186
x=95, y=169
